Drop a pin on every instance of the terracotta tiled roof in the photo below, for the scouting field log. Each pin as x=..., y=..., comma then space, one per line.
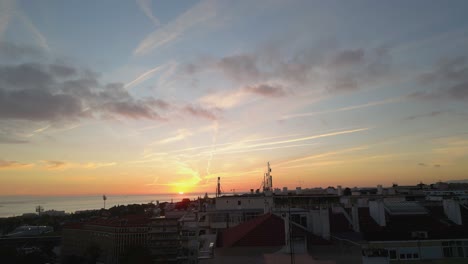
x=73, y=226
x=124, y=221
x=265, y=230
x=128, y=220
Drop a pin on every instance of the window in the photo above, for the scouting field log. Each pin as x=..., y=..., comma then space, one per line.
x=457, y=249
x=402, y=256
x=448, y=252
x=239, y=202
x=392, y=254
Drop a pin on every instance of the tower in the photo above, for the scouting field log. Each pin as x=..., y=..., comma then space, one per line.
x=268, y=179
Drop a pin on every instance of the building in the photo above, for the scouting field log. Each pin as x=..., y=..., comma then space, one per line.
x=110, y=236
x=163, y=238
x=394, y=232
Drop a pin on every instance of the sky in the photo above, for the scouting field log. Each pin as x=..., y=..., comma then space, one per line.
x=142, y=97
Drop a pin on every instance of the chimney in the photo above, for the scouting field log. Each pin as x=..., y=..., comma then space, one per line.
x=340, y=190
x=452, y=211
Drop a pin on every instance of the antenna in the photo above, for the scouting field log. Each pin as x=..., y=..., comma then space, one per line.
x=104, y=198
x=218, y=190
x=268, y=179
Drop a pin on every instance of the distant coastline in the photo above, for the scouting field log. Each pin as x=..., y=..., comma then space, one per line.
x=17, y=205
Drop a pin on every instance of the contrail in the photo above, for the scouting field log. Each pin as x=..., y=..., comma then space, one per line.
x=144, y=76
x=342, y=109
x=213, y=142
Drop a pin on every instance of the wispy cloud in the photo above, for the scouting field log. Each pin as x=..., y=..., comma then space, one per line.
x=229, y=99
x=447, y=80
x=198, y=14
x=7, y=8
x=343, y=109
x=343, y=132
x=323, y=155
x=181, y=135
x=39, y=130
x=40, y=38
x=59, y=93
x=199, y=111
x=146, y=7
x=231, y=143
x=64, y=165
x=145, y=76
x=244, y=146
x=9, y=164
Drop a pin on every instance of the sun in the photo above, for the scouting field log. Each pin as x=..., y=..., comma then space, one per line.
x=181, y=193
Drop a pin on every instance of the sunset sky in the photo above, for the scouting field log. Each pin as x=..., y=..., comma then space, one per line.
x=140, y=97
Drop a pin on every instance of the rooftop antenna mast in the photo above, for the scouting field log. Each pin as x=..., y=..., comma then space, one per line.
x=218, y=188
x=268, y=179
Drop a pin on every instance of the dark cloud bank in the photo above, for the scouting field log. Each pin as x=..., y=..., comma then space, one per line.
x=447, y=80
x=52, y=92
x=40, y=91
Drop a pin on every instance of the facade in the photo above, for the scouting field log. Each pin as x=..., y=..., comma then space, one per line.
x=163, y=239
x=110, y=236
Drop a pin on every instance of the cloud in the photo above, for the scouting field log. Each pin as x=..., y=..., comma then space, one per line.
x=181, y=135
x=344, y=84
x=9, y=140
x=63, y=165
x=144, y=76
x=232, y=98
x=55, y=164
x=431, y=114
x=447, y=69
x=266, y=90
x=7, y=8
x=343, y=109
x=323, y=155
x=429, y=165
x=146, y=7
x=243, y=146
x=13, y=51
x=38, y=105
x=242, y=67
x=198, y=111
x=202, y=12
x=301, y=72
x=348, y=58
x=57, y=92
x=7, y=164
x=40, y=38
x=447, y=81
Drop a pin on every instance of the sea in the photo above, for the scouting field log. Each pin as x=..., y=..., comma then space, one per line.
x=18, y=205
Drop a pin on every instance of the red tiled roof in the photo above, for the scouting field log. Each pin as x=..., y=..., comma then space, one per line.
x=265, y=230
x=73, y=226
x=128, y=220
